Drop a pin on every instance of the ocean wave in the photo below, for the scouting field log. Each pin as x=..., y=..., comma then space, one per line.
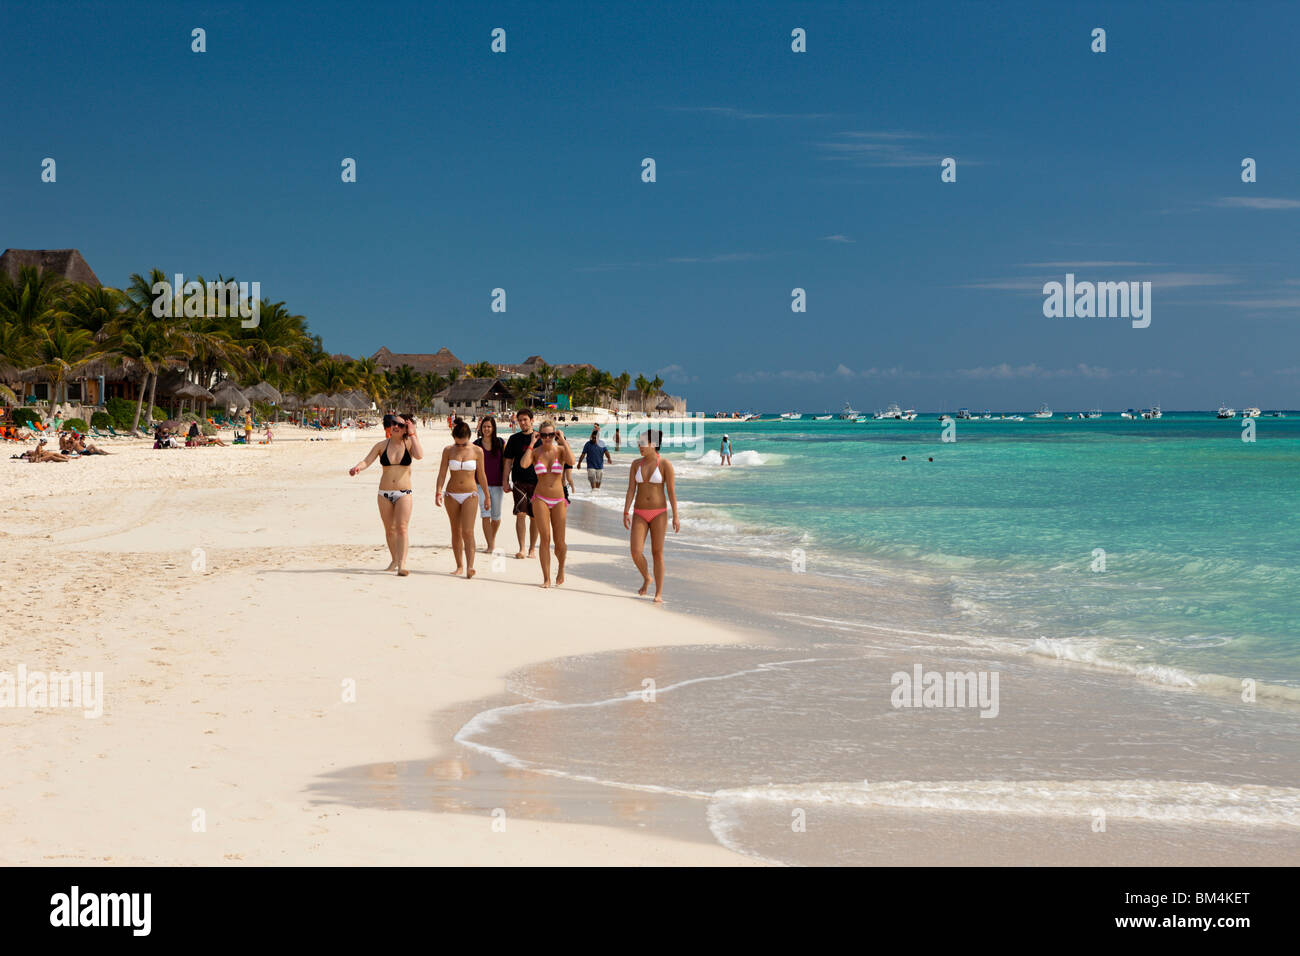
x=1157, y=801
x=740, y=459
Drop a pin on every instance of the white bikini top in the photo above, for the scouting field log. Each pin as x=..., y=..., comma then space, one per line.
x=655, y=477
x=468, y=465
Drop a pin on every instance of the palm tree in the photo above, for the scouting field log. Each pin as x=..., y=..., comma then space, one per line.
x=430, y=384
x=150, y=344
x=33, y=301
x=59, y=352
x=94, y=309
x=621, y=383
x=371, y=379
x=656, y=387
x=642, y=386
x=482, y=370
x=404, y=383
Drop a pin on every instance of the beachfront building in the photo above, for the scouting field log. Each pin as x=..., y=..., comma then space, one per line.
x=475, y=396
x=67, y=263
x=91, y=384
x=656, y=403
x=441, y=362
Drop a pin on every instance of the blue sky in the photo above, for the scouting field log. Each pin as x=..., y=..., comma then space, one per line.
x=775, y=170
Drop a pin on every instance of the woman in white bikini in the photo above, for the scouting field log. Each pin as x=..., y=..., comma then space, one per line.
x=651, y=487
x=395, y=454
x=464, y=462
x=550, y=508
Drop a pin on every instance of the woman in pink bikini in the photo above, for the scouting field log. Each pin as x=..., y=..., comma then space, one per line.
x=651, y=487
x=395, y=454
x=465, y=463
x=550, y=509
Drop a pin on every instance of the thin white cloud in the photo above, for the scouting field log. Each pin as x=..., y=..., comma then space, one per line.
x=882, y=148
x=1257, y=202
x=836, y=238
x=1284, y=303
x=724, y=257
x=675, y=373
x=1085, y=265
x=733, y=113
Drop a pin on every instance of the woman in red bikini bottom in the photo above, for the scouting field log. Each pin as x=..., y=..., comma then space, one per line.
x=550, y=508
x=651, y=488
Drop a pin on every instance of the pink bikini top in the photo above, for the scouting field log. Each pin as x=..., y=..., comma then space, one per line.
x=557, y=466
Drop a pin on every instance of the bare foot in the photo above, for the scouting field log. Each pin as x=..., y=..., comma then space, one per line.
x=645, y=586
x=559, y=579
x=659, y=599
x=469, y=574
x=392, y=566
x=519, y=554
x=546, y=583
x=459, y=570
x=402, y=572
x=531, y=552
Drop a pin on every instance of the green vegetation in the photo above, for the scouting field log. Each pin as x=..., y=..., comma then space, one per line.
x=58, y=328
x=25, y=416
x=77, y=425
x=101, y=420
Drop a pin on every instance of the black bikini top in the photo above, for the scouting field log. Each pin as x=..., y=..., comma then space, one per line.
x=383, y=456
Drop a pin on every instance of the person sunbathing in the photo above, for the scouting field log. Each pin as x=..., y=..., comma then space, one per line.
x=40, y=454
x=83, y=447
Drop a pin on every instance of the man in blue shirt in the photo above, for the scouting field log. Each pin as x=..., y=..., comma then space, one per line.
x=596, y=454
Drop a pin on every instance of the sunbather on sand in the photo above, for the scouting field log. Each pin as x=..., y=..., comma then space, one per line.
x=40, y=454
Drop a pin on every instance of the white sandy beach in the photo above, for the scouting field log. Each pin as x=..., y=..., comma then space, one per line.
x=227, y=595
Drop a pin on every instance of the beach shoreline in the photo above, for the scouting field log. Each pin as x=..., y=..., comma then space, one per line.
x=233, y=673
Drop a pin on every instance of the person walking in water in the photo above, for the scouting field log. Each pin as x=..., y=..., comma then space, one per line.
x=596, y=453
x=651, y=488
x=395, y=454
x=725, y=450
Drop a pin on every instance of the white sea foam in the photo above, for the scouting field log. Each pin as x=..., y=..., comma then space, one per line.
x=1160, y=801
x=740, y=459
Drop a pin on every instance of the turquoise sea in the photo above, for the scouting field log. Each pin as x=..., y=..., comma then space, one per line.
x=1169, y=548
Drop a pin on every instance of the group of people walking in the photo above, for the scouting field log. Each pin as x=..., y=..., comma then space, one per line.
x=474, y=478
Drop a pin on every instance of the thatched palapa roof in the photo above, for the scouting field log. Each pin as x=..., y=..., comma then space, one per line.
x=66, y=262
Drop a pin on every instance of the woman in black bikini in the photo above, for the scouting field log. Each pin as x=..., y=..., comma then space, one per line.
x=395, y=454
x=549, y=459
x=465, y=462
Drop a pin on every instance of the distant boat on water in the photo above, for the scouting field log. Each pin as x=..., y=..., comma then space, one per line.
x=892, y=411
x=791, y=416
x=1226, y=412
x=1092, y=413
x=822, y=418
x=849, y=413
x=1152, y=412
x=1043, y=411
x=964, y=414
x=1251, y=412
x=1128, y=413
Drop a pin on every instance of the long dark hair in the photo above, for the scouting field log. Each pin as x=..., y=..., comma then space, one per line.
x=497, y=443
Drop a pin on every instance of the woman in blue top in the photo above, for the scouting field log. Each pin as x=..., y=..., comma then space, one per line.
x=725, y=450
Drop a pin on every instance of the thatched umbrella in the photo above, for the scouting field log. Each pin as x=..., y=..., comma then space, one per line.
x=228, y=396
x=264, y=392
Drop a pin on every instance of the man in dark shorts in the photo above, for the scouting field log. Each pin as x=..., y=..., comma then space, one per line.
x=521, y=482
